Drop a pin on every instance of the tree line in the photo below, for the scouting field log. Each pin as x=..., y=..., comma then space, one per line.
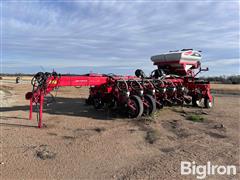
x=235, y=79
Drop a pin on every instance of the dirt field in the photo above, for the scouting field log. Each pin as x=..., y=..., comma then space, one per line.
x=233, y=89
x=78, y=142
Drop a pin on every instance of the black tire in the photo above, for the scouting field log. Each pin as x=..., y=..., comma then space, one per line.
x=207, y=103
x=159, y=104
x=98, y=103
x=89, y=101
x=180, y=101
x=187, y=100
x=152, y=105
x=195, y=101
x=138, y=105
x=112, y=104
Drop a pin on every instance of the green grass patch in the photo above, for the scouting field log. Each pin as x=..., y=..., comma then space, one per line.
x=195, y=118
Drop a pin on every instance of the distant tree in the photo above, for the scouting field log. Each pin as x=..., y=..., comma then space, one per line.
x=235, y=79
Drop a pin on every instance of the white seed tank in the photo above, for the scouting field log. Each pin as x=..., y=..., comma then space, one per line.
x=178, y=62
x=183, y=56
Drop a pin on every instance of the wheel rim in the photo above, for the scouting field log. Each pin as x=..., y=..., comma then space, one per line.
x=150, y=106
x=198, y=103
x=146, y=110
x=210, y=104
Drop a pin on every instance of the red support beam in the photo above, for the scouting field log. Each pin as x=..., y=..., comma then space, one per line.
x=40, y=110
x=31, y=109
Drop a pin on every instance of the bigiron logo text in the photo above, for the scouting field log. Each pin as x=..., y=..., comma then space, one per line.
x=202, y=171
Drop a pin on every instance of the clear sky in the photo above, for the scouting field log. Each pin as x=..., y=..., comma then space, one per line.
x=116, y=36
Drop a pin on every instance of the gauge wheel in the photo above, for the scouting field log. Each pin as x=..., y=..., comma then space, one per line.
x=151, y=102
x=207, y=103
x=196, y=102
x=135, y=107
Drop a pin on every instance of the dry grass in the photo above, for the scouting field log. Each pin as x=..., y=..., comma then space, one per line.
x=13, y=78
x=226, y=88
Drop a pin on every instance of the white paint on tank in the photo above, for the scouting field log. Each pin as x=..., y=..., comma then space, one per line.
x=180, y=56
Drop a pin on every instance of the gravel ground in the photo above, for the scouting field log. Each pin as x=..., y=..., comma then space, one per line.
x=78, y=142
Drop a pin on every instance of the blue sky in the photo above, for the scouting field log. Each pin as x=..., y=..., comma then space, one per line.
x=116, y=36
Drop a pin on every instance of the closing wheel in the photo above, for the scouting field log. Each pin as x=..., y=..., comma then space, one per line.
x=151, y=105
x=208, y=103
x=196, y=102
x=135, y=107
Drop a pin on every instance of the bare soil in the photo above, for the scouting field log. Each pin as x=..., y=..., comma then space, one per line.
x=233, y=89
x=78, y=142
